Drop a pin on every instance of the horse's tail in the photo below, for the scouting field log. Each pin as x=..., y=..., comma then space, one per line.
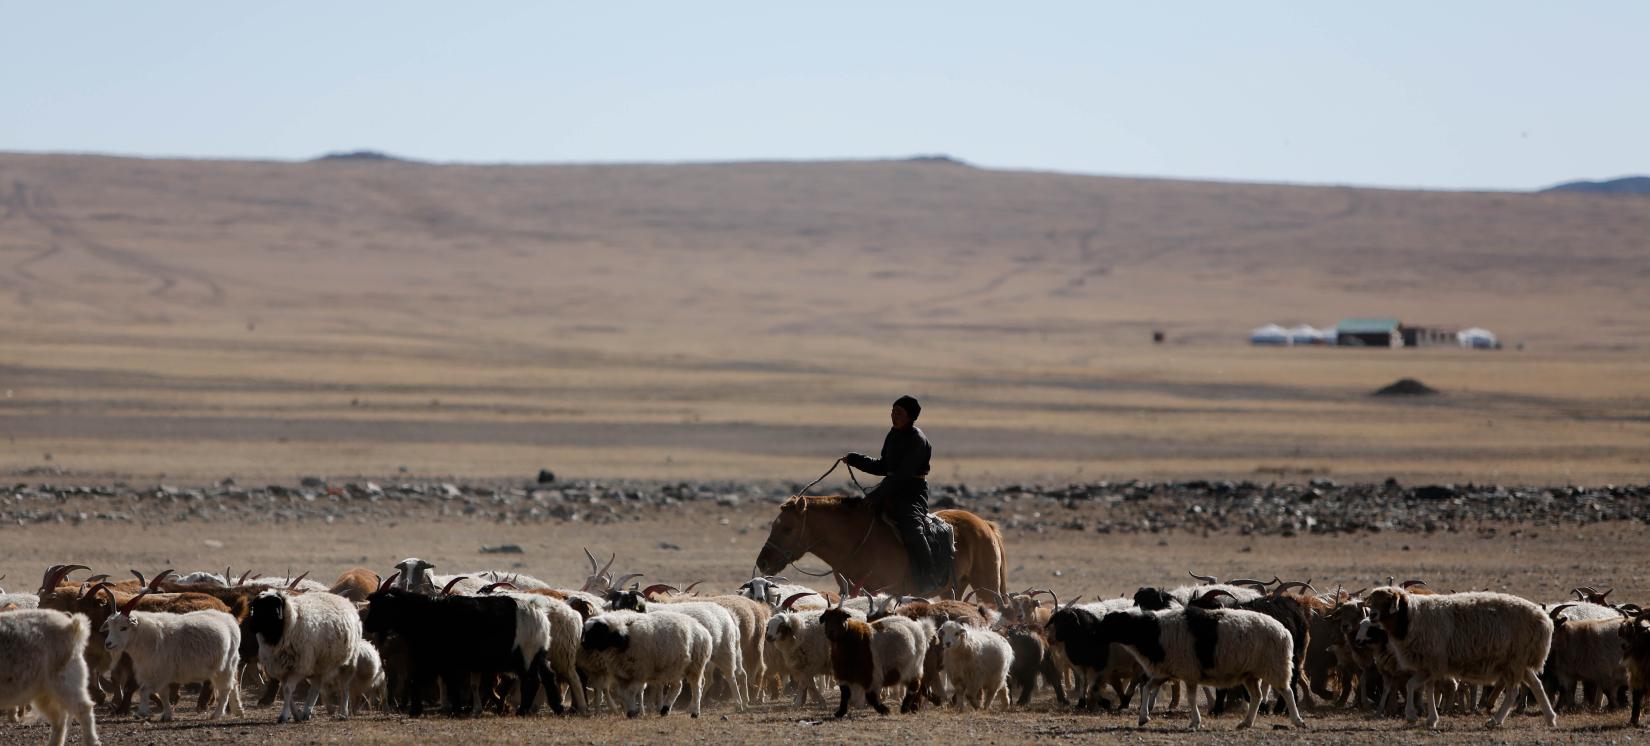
x=1002, y=560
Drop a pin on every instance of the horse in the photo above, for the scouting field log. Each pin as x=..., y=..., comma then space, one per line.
x=848, y=535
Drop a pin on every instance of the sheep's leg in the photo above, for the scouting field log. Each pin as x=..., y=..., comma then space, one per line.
x=873, y=697
x=1638, y=703
x=631, y=695
x=1146, y=700
x=1293, y=707
x=287, y=688
x=913, y=696
x=667, y=696
x=1252, y=686
x=1428, y=691
x=804, y=684
x=166, y=706
x=1531, y=677
x=847, y=696
x=234, y=692
x=59, y=719
x=1197, y=713
x=342, y=681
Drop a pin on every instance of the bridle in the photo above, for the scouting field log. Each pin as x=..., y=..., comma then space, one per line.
x=801, y=498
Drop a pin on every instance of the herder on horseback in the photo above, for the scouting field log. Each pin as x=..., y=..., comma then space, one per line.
x=902, y=496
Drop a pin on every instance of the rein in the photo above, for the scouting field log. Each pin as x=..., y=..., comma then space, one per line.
x=801, y=495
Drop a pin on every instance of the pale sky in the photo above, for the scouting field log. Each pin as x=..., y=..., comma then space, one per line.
x=1500, y=95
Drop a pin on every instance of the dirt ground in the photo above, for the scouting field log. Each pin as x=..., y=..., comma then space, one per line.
x=717, y=543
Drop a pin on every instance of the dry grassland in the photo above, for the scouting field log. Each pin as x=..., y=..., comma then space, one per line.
x=187, y=320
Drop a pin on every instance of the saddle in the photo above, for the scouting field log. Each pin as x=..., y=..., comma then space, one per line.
x=942, y=548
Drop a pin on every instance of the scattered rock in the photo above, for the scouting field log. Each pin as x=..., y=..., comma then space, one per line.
x=546, y=476
x=503, y=549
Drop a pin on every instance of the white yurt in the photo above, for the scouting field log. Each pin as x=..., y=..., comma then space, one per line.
x=1476, y=338
x=1271, y=334
x=1305, y=334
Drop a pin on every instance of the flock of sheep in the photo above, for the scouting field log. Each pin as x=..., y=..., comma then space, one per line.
x=497, y=640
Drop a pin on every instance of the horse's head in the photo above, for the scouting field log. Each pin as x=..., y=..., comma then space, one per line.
x=785, y=537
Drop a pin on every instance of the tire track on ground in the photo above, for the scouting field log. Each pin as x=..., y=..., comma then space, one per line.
x=165, y=274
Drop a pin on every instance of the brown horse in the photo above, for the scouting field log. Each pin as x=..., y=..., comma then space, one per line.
x=848, y=535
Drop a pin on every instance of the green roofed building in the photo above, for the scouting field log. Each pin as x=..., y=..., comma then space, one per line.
x=1369, y=333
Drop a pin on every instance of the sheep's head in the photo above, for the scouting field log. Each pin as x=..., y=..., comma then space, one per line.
x=268, y=617
x=631, y=600
x=604, y=634
x=414, y=574
x=1152, y=599
x=1386, y=603
x=780, y=627
x=952, y=634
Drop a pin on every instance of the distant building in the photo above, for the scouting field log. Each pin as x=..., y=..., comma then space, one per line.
x=1369, y=333
x=1306, y=334
x=1478, y=339
x=1429, y=336
x=1271, y=334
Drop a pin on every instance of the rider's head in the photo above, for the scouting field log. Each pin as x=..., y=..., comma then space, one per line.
x=905, y=411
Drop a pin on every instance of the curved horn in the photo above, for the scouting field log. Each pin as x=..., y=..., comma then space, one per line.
x=1408, y=584
x=659, y=587
x=46, y=578
x=786, y=605
x=295, y=581
x=154, y=585
x=1578, y=594
x=1206, y=579
x=691, y=586
x=227, y=574
x=1605, y=594
x=486, y=589
x=242, y=579
x=95, y=579
x=1278, y=591
x=449, y=588
x=1559, y=609
x=609, y=564
x=1209, y=596
x=1073, y=601
x=969, y=594
x=131, y=603
x=93, y=589
x=55, y=575
x=1254, y=584
x=114, y=603
x=618, y=585
x=1050, y=593
x=389, y=581
x=1587, y=588
x=592, y=558
x=1251, y=581
x=776, y=578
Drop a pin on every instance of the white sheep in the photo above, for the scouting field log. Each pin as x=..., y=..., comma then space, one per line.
x=41, y=665
x=1480, y=637
x=659, y=650
x=367, y=685
x=898, y=647
x=310, y=636
x=727, y=654
x=169, y=649
x=977, y=663
x=799, y=639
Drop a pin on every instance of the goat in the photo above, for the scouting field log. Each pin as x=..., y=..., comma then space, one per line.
x=169, y=649
x=355, y=584
x=865, y=657
x=1587, y=651
x=799, y=639
x=977, y=661
x=453, y=637
x=1032, y=658
x=309, y=636
x=659, y=650
x=1477, y=637
x=1635, y=649
x=41, y=665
